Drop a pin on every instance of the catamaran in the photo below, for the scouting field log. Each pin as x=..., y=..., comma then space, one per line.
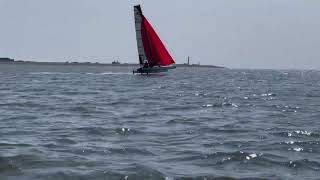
x=153, y=55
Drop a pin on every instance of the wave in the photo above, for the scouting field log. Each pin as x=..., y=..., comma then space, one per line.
x=9, y=167
x=110, y=73
x=53, y=73
x=86, y=73
x=130, y=151
x=221, y=105
x=186, y=121
x=97, y=131
x=4, y=144
x=22, y=104
x=297, y=133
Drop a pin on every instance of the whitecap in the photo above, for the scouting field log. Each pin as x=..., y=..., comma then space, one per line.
x=208, y=105
x=267, y=94
x=42, y=73
x=115, y=73
x=125, y=129
x=226, y=159
x=234, y=105
x=303, y=132
x=290, y=162
x=253, y=155
x=290, y=142
x=298, y=149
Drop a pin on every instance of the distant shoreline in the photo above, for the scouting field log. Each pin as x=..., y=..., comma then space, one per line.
x=97, y=64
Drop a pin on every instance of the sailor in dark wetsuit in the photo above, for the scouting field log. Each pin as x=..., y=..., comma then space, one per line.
x=146, y=64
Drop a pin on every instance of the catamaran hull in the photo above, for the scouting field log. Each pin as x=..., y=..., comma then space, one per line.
x=160, y=69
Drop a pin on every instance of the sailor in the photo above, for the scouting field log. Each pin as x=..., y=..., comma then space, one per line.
x=146, y=63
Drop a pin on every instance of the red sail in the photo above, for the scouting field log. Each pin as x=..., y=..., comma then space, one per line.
x=155, y=51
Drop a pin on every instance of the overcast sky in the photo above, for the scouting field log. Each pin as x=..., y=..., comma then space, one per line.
x=231, y=33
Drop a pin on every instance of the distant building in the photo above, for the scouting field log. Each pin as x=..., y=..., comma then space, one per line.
x=115, y=62
x=6, y=59
x=188, y=61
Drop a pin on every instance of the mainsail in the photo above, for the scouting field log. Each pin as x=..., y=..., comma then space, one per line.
x=150, y=47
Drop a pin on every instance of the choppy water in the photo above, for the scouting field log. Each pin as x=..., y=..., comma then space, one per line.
x=91, y=122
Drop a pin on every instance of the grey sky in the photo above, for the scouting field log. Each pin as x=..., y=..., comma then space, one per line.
x=232, y=33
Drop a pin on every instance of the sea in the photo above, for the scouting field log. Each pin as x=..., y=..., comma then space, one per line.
x=92, y=122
